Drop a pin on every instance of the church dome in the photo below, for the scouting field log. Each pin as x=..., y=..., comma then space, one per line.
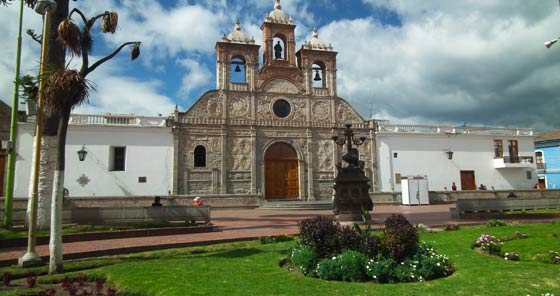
x=238, y=36
x=278, y=16
x=316, y=43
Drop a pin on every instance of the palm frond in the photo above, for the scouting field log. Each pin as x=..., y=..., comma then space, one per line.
x=65, y=90
x=69, y=36
x=110, y=22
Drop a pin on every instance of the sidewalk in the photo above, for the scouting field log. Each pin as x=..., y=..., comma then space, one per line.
x=234, y=225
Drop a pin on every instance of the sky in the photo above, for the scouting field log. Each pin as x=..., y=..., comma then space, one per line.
x=482, y=62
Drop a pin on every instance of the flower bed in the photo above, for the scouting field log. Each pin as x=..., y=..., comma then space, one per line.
x=332, y=252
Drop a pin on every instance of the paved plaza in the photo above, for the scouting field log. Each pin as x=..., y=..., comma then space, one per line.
x=234, y=225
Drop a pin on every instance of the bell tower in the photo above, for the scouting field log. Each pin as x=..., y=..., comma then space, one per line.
x=279, y=47
x=318, y=64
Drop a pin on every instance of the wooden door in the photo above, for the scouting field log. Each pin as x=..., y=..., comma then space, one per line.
x=281, y=172
x=542, y=183
x=2, y=171
x=467, y=180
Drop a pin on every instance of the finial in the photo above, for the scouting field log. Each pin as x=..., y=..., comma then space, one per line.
x=315, y=32
x=277, y=5
x=176, y=108
x=237, y=25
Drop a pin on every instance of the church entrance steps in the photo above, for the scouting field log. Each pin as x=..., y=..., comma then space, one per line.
x=296, y=205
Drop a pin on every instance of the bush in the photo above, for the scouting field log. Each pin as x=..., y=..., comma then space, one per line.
x=275, y=239
x=428, y=264
x=511, y=256
x=496, y=223
x=304, y=259
x=320, y=234
x=490, y=244
x=348, y=266
x=400, y=239
x=383, y=271
x=552, y=257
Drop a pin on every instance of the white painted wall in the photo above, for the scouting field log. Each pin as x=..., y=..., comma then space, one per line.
x=149, y=153
x=424, y=154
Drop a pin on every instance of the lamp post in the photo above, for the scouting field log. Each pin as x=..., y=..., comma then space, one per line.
x=44, y=7
x=351, y=184
x=8, y=202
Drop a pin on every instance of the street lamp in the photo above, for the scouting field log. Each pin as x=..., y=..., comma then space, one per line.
x=548, y=44
x=351, y=184
x=82, y=153
x=44, y=7
x=449, y=154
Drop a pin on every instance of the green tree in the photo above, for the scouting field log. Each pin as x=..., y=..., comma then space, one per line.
x=66, y=89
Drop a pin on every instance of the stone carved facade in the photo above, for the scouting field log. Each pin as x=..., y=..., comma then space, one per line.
x=276, y=105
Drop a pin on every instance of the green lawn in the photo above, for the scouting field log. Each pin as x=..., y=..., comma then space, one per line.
x=250, y=268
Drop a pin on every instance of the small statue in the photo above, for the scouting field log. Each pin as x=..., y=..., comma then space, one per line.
x=278, y=51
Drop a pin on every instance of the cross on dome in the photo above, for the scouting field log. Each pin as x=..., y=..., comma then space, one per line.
x=277, y=5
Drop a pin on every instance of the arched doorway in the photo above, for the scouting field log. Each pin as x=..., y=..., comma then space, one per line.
x=281, y=172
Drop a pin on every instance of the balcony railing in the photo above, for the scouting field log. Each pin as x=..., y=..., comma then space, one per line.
x=384, y=127
x=319, y=91
x=238, y=86
x=541, y=166
x=514, y=162
x=119, y=120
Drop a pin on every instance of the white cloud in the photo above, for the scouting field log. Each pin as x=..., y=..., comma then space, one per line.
x=451, y=61
x=196, y=76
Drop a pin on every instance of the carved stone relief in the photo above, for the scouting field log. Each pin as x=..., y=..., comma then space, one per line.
x=239, y=107
x=324, y=155
x=214, y=107
x=264, y=111
x=321, y=110
x=299, y=108
x=344, y=112
x=240, y=154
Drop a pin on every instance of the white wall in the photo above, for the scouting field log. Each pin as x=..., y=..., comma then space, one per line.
x=424, y=154
x=149, y=153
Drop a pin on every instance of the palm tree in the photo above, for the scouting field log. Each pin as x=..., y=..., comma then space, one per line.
x=66, y=89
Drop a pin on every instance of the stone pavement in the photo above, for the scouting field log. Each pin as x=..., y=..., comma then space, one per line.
x=233, y=225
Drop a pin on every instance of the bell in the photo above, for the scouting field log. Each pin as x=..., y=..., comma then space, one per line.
x=317, y=77
x=237, y=69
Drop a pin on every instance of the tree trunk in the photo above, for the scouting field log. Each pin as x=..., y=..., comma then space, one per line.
x=56, y=58
x=55, y=245
x=46, y=169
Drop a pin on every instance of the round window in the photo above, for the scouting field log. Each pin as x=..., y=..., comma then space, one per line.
x=281, y=108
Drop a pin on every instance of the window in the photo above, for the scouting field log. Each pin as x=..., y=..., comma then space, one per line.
x=117, y=158
x=142, y=179
x=498, y=149
x=281, y=108
x=199, y=156
x=397, y=178
x=513, y=151
x=529, y=175
x=539, y=157
x=395, y=154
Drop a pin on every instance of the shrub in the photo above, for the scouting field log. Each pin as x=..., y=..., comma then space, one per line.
x=452, y=227
x=348, y=266
x=348, y=239
x=511, y=256
x=370, y=246
x=400, y=239
x=320, y=234
x=31, y=280
x=490, y=244
x=304, y=259
x=428, y=264
x=496, y=223
x=382, y=271
x=552, y=257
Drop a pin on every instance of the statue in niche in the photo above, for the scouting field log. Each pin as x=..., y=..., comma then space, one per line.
x=278, y=51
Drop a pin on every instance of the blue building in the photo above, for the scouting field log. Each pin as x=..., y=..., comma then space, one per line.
x=547, y=156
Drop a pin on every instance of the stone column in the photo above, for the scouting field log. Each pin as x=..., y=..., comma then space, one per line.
x=175, y=174
x=310, y=166
x=254, y=180
x=223, y=178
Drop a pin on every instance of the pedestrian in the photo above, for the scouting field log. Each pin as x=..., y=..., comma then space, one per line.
x=454, y=187
x=197, y=201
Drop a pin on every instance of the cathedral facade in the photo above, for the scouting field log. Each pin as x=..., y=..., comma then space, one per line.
x=266, y=131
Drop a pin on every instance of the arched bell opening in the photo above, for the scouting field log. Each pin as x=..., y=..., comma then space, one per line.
x=238, y=70
x=318, y=71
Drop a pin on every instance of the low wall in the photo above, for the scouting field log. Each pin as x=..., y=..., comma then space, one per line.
x=113, y=216
x=254, y=201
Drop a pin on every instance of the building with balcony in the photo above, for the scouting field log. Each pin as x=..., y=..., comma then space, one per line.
x=127, y=155
x=499, y=158
x=547, y=158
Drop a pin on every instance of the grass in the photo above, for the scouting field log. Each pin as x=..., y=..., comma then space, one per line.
x=21, y=232
x=251, y=268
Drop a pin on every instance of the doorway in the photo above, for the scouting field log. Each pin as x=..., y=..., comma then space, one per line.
x=281, y=172
x=467, y=180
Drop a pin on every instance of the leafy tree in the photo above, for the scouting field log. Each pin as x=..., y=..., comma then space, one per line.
x=66, y=89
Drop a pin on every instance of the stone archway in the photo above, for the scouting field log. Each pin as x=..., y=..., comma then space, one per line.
x=281, y=172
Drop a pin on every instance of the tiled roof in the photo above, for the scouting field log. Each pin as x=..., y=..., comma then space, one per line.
x=547, y=136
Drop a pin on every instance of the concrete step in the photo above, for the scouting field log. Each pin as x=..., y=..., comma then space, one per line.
x=296, y=205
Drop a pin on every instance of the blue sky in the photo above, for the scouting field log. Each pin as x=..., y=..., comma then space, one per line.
x=431, y=61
